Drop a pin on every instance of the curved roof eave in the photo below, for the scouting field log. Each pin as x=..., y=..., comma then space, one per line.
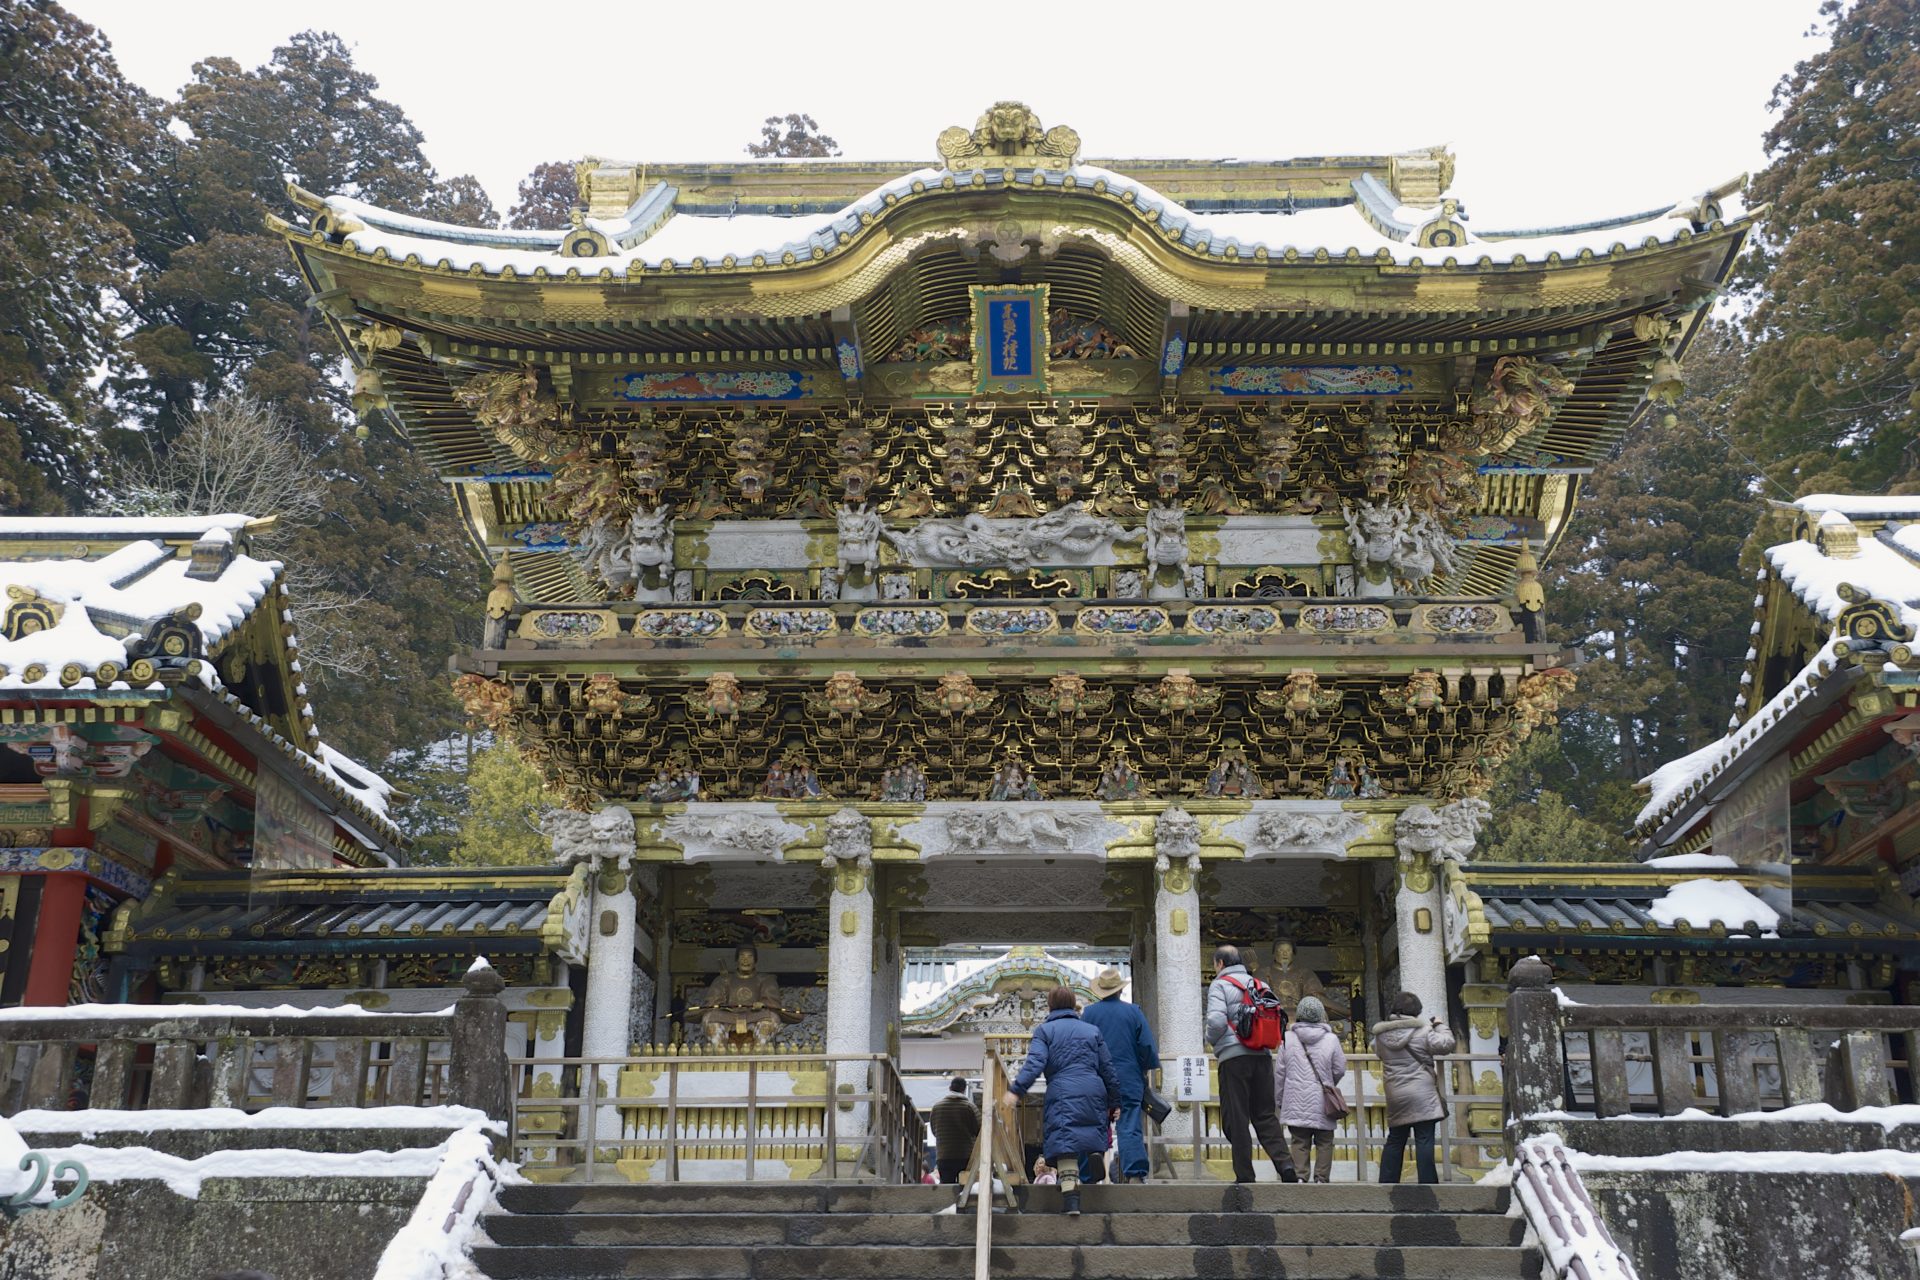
x=361, y=232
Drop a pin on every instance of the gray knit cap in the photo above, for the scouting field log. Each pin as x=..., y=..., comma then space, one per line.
x=1310, y=1010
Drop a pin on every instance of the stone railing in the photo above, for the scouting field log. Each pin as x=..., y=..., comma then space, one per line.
x=1561, y=1213
x=1613, y=1060
x=150, y=1057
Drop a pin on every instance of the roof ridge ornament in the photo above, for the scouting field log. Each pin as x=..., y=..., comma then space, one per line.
x=1008, y=135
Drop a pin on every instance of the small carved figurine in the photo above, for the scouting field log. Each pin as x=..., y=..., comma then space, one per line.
x=1232, y=778
x=1340, y=785
x=1012, y=782
x=1371, y=788
x=1119, y=781
x=903, y=782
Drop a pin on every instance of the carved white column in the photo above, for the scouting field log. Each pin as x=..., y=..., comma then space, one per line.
x=1426, y=837
x=1176, y=944
x=849, y=859
x=1423, y=957
x=605, y=841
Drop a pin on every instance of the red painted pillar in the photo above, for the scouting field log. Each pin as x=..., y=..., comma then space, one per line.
x=56, y=934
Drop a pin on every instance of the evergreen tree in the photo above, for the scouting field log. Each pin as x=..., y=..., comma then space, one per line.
x=1834, y=397
x=547, y=197
x=221, y=309
x=71, y=130
x=792, y=136
x=1649, y=590
x=463, y=202
x=505, y=795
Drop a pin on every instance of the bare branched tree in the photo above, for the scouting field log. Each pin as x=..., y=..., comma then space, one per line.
x=237, y=454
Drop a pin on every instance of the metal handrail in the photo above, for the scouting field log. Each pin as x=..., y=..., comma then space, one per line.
x=893, y=1145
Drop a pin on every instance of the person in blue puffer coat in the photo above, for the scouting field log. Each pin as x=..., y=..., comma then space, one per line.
x=1083, y=1092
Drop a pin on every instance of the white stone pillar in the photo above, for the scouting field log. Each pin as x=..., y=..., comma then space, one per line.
x=850, y=985
x=1176, y=946
x=605, y=841
x=1426, y=837
x=1423, y=956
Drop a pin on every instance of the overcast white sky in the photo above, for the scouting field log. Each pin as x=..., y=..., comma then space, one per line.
x=1557, y=111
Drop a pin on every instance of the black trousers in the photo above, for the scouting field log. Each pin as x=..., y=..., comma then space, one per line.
x=1393, y=1156
x=950, y=1170
x=1246, y=1101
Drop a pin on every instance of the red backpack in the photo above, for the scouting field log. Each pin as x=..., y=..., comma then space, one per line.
x=1261, y=1020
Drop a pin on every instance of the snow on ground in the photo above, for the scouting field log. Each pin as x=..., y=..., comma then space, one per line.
x=124, y=1164
x=14, y=1179
x=1888, y=1118
x=142, y=1012
x=96, y=1121
x=1898, y=1164
x=1706, y=901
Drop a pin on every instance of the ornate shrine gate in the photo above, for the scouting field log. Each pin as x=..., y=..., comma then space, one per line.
x=1008, y=544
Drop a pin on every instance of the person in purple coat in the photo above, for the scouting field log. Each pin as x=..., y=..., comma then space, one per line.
x=1310, y=1057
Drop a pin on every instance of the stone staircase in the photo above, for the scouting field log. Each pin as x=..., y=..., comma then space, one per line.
x=1160, y=1232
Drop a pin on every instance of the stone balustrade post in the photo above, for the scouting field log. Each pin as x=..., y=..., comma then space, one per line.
x=1536, y=1050
x=477, y=1056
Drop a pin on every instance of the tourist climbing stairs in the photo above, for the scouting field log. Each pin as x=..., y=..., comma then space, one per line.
x=847, y=1232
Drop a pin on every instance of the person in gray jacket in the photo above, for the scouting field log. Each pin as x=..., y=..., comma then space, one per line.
x=1310, y=1058
x=1246, y=1075
x=1408, y=1046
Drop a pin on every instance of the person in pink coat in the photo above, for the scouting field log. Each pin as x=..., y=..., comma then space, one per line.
x=1310, y=1058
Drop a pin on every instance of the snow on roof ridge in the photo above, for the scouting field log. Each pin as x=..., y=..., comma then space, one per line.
x=684, y=237
x=1877, y=569
x=1677, y=779
x=1861, y=504
x=129, y=526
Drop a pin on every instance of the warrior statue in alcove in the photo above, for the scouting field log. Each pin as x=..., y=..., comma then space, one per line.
x=745, y=1006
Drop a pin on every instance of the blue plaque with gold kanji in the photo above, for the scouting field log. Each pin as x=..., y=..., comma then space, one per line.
x=1010, y=340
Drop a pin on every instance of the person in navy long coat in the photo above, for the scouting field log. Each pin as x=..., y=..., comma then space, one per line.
x=1083, y=1091
x=1130, y=1041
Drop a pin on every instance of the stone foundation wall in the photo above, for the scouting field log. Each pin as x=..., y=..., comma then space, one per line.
x=290, y=1228
x=1735, y=1226
x=1738, y=1199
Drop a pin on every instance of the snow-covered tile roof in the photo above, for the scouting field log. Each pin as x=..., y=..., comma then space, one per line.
x=653, y=235
x=1862, y=505
x=1878, y=570
x=1815, y=577
x=106, y=604
x=1676, y=780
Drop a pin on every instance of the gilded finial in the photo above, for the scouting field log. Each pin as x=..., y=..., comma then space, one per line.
x=1008, y=135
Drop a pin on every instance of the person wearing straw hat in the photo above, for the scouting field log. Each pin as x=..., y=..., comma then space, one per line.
x=1130, y=1042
